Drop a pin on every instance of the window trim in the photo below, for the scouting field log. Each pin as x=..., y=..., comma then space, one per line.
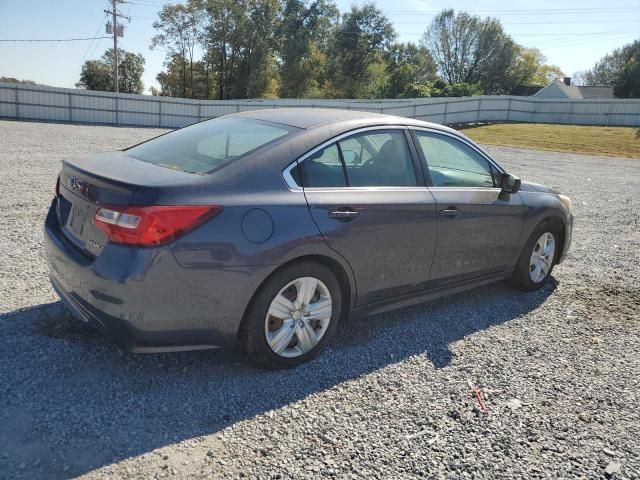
x=417, y=167
x=423, y=159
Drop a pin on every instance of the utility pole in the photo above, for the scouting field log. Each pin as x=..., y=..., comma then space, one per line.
x=118, y=31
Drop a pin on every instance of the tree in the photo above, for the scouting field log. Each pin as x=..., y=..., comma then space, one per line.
x=258, y=64
x=172, y=79
x=627, y=80
x=304, y=40
x=240, y=46
x=606, y=69
x=440, y=88
x=361, y=40
x=178, y=29
x=15, y=80
x=531, y=68
x=98, y=74
x=471, y=50
x=411, y=66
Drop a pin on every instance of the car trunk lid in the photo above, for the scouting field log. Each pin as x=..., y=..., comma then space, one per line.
x=93, y=181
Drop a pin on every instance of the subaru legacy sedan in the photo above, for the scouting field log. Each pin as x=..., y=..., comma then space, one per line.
x=267, y=229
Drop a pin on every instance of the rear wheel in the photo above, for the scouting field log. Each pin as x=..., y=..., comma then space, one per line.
x=292, y=316
x=538, y=258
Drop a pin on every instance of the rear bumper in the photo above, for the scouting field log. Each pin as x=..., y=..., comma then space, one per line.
x=144, y=300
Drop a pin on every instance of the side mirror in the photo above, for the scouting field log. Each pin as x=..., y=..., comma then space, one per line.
x=510, y=183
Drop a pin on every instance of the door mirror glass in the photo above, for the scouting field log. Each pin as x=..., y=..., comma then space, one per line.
x=510, y=183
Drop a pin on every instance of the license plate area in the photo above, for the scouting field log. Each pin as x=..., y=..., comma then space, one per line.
x=76, y=220
x=73, y=219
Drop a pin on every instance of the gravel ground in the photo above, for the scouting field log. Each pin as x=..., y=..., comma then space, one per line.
x=559, y=368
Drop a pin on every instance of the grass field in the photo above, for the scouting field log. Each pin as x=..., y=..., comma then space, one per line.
x=609, y=141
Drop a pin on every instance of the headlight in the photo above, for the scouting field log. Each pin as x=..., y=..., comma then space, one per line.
x=566, y=201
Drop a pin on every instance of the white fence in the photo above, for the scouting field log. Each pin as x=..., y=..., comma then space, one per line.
x=34, y=102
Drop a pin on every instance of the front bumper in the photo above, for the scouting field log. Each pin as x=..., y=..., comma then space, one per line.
x=567, y=238
x=144, y=300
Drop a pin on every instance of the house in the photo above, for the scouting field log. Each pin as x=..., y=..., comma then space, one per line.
x=564, y=89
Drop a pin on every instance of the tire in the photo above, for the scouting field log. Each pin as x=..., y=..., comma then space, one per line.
x=309, y=327
x=526, y=276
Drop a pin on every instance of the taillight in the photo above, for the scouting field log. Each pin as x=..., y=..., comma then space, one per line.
x=147, y=226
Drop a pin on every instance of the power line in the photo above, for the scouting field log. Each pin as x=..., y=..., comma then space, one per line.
x=529, y=23
x=545, y=11
x=86, y=54
x=48, y=39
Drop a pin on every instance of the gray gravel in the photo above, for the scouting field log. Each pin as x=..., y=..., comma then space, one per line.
x=559, y=368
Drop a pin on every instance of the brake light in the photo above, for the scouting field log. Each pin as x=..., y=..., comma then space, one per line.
x=148, y=226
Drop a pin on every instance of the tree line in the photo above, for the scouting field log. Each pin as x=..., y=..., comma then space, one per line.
x=229, y=49
x=307, y=48
x=620, y=68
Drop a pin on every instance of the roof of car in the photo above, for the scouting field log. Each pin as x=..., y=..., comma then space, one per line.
x=308, y=118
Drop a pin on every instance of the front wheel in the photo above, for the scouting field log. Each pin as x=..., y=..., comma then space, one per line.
x=292, y=316
x=537, y=259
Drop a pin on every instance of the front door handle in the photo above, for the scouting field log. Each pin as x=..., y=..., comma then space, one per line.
x=344, y=215
x=451, y=212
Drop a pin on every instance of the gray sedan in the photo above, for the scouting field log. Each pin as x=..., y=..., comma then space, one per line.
x=269, y=228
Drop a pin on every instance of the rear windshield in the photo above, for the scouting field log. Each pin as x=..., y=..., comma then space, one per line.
x=209, y=146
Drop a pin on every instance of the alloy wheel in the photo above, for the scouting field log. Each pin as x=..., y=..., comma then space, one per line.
x=298, y=317
x=541, y=259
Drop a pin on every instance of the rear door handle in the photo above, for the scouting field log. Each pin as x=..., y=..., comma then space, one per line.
x=451, y=212
x=344, y=215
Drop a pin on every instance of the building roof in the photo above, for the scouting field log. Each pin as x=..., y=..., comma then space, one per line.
x=598, y=91
x=578, y=92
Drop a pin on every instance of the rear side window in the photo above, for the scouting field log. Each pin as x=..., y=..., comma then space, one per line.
x=378, y=159
x=451, y=163
x=208, y=146
x=368, y=159
x=323, y=169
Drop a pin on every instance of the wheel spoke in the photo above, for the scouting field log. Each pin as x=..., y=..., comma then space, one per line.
x=545, y=263
x=281, y=307
x=320, y=310
x=306, y=337
x=306, y=289
x=282, y=337
x=549, y=247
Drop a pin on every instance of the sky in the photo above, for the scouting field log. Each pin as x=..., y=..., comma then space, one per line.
x=571, y=34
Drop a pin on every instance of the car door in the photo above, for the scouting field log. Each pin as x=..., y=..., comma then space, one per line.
x=366, y=193
x=479, y=226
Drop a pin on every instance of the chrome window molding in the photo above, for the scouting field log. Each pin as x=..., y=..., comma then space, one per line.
x=365, y=189
x=293, y=186
x=465, y=189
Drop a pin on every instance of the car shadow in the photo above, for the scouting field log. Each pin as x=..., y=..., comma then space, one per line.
x=71, y=402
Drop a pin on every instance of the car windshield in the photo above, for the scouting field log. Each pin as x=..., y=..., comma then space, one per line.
x=208, y=146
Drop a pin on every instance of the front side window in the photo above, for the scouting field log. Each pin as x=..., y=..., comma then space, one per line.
x=209, y=146
x=451, y=163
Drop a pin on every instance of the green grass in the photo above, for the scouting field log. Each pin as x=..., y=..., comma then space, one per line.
x=607, y=141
